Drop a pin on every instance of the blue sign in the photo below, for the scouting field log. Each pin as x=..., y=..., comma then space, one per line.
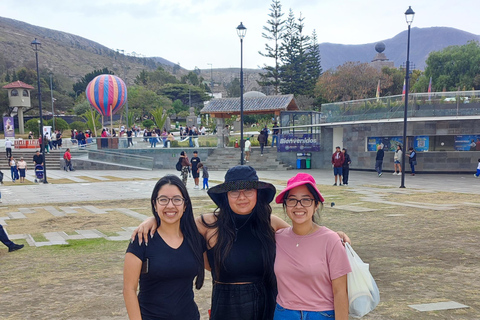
x=467, y=143
x=421, y=143
x=298, y=143
x=387, y=143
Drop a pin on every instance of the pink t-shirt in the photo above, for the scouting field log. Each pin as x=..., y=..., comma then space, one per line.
x=305, y=272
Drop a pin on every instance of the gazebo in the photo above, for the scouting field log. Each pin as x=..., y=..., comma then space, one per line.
x=252, y=104
x=19, y=97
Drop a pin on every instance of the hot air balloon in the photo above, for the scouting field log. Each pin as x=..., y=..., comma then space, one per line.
x=106, y=93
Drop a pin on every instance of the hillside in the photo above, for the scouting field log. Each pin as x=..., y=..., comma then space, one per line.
x=423, y=41
x=64, y=53
x=72, y=56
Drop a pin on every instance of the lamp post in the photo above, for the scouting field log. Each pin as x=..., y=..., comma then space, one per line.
x=241, y=31
x=409, y=14
x=211, y=77
x=35, y=44
x=51, y=96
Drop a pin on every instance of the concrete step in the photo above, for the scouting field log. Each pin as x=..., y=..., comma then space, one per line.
x=225, y=158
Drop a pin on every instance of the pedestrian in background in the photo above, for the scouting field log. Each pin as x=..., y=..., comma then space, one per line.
x=337, y=161
x=379, y=159
x=13, y=169
x=397, y=157
x=22, y=168
x=412, y=160
x=185, y=166
x=204, y=169
x=8, y=148
x=248, y=146
x=262, y=139
x=478, y=170
x=67, y=156
x=194, y=163
x=346, y=166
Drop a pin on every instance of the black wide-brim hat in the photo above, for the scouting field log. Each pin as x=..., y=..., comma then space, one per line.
x=239, y=178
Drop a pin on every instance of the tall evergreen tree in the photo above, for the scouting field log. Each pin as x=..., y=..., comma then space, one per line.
x=273, y=32
x=294, y=54
x=313, y=64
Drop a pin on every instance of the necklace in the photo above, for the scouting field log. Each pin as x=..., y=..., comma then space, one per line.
x=235, y=225
x=301, y=237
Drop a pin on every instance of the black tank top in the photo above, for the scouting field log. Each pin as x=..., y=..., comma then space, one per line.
x=244, y=262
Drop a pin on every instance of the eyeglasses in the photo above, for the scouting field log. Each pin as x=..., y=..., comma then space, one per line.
x=292, y=202
x=177, y=201
x=246, y=192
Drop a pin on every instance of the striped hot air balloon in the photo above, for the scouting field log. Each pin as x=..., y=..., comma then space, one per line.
x=107, y=93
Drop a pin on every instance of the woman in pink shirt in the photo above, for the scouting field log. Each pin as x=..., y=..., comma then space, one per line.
x=311, y=264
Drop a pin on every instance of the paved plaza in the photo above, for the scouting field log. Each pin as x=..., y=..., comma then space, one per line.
x=124, y=185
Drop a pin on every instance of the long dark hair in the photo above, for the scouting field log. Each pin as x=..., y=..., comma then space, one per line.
x=261, y=229
x=187, y=223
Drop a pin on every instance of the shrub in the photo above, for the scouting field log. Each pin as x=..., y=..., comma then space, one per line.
x=78, y=125
x=148, y=123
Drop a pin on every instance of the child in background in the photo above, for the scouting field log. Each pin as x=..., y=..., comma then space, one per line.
x=478, y=170
x=204, y=169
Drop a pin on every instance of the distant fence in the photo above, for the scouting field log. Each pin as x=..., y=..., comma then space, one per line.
x=435, y=104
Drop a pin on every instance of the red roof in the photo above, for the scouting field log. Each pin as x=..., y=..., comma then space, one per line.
x=18, y=84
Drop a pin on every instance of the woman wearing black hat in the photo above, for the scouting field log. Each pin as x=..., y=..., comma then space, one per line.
x=241, y=246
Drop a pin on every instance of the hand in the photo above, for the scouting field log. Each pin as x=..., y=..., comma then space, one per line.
x=146, y=227
x=342, y=236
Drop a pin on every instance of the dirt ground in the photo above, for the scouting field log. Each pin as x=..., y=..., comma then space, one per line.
x=417, y=255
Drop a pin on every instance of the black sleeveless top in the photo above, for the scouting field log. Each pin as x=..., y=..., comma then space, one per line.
x=244, y=262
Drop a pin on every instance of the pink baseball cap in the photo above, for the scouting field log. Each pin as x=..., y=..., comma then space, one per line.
x=299, y=180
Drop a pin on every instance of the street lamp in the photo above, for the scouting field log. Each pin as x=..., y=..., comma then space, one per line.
x=409, y=14
x=241, y=31
x=211, y=77
x=35, y=44
x=53, y=100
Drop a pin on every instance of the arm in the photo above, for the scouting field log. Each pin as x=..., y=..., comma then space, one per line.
x=146, y=227
x=278, y=223
x=340, y=298
x=131, y=274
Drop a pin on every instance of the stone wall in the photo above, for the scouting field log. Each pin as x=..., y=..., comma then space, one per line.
x=355, y=140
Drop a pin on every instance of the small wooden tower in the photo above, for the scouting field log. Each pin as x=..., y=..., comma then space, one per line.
x=19, y=96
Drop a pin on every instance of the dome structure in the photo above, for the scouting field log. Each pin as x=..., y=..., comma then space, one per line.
x=254, y=94
x=380, y=47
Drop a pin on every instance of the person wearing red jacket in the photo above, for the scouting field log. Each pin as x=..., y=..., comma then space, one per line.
x=337, y=161
x=67, y=156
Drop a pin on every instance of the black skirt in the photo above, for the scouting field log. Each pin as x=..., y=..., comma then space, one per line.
x=250, y=301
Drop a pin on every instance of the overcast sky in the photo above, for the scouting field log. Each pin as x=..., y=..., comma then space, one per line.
x=196, y=33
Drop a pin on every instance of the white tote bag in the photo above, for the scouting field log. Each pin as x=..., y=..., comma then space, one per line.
x=363, y=293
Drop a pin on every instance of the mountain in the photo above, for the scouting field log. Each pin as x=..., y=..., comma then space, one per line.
x=422, y=42
x=66, y=54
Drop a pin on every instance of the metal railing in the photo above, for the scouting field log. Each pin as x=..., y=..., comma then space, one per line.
x=435, y=104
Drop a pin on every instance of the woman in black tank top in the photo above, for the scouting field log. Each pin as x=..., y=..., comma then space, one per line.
x=243, y=254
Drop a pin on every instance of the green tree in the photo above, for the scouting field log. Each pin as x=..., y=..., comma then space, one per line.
x=82, y=107
x=454, y=67
x=147, y=123
x=233, y=88
x=60, y=124
x=33, y=125
x=178, y=106
x=142, y=100
x=81, y=86
x=293, y=72
x=185, y=93
x=160, y=117
x=273, y=33
x=92, y=120
x=78, y=125
x=350, y=81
